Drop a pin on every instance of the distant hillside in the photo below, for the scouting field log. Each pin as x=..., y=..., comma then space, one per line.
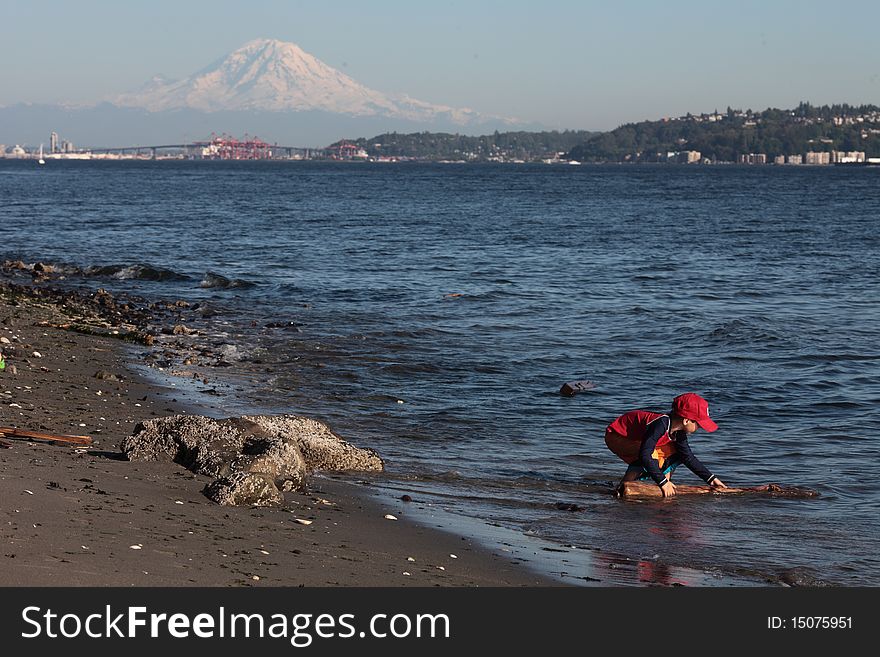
x=106, y=125
x=724, y=137
x=498, y=146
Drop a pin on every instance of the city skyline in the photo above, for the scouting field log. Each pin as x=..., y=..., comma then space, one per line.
x=564, y=65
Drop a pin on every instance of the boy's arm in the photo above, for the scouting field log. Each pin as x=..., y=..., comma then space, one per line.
x=691, y=461
x=649, y=443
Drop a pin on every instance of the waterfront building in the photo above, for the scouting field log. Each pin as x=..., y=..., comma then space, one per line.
x=847, y=157
x=813, y=157
x=753, y=158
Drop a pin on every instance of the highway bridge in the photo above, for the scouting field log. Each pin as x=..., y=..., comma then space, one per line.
x=222, y=149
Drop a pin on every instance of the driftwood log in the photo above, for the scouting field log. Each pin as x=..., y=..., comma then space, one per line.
x=635, y=490
x=15, y=432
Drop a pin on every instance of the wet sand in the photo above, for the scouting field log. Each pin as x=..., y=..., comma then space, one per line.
x=88, y=517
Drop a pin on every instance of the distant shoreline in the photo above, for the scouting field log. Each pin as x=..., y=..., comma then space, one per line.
x=413, y=161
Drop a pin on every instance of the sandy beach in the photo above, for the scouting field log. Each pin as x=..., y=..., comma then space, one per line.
x=89, y=517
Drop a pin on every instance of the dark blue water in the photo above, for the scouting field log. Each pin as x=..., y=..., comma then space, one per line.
x=437, y=309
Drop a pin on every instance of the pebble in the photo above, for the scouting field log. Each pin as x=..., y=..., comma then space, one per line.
x=255, y=577
x=37, y=354
x=5, y=340
x=406, y=573
x=136, y=547
x=453, y=556
x=29, y=492
x=410, y=559
x=302, y=521
x=388, y=516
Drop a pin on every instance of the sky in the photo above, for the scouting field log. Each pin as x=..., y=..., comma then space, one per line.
x=565, y=64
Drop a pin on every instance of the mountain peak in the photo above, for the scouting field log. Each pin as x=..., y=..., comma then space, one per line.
x=279, y=76
x=270, y=44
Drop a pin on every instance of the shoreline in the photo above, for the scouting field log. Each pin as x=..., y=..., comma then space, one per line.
x=58, y=514
x=88, y=517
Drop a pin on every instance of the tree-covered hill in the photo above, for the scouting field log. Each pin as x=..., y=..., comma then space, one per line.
x=445, y=146
x=726, y=136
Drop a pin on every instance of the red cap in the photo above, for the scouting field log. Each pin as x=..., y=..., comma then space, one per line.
x=693, y=407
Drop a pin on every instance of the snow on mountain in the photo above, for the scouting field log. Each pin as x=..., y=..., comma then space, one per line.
x=277, y=76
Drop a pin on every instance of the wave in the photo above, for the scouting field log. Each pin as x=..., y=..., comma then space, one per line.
x=212, y=280
x=746, y=332
x=139, y=272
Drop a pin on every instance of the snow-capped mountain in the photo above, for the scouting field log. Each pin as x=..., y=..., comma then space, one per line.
x=276, y=76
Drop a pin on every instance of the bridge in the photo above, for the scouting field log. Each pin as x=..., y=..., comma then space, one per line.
x=222, y=149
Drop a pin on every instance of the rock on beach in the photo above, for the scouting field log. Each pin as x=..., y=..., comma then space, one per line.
x=252, y=458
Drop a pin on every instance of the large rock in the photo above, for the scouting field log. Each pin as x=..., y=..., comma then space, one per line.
x=321, y=448
x=244, y=489
x=251, y=457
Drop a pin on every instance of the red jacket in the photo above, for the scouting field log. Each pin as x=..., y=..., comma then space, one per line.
x=634, y=424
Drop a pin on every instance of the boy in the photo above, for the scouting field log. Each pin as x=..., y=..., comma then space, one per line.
x=653, y=444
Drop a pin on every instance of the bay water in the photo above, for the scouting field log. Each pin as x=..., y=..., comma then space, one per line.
x=432, y=312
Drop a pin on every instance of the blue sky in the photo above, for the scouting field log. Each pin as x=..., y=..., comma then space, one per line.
x=565, y=64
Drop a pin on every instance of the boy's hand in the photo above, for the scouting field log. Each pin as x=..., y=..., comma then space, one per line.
x=668, y=489
x=717, y=483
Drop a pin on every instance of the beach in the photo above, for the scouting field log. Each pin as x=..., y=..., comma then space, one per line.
x=89, y=517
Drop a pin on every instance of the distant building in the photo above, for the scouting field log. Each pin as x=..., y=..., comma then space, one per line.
x=753, y=158
x=682, y=157
x=813, y=157
x=66, y=146
x=794, y=159
x=779, y=159
x=847, y=157
x=53, y=142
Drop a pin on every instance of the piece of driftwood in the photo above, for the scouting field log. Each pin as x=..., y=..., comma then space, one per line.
x=104, y=332
x=571, y=388
x=634, y=490
x=15, y=432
